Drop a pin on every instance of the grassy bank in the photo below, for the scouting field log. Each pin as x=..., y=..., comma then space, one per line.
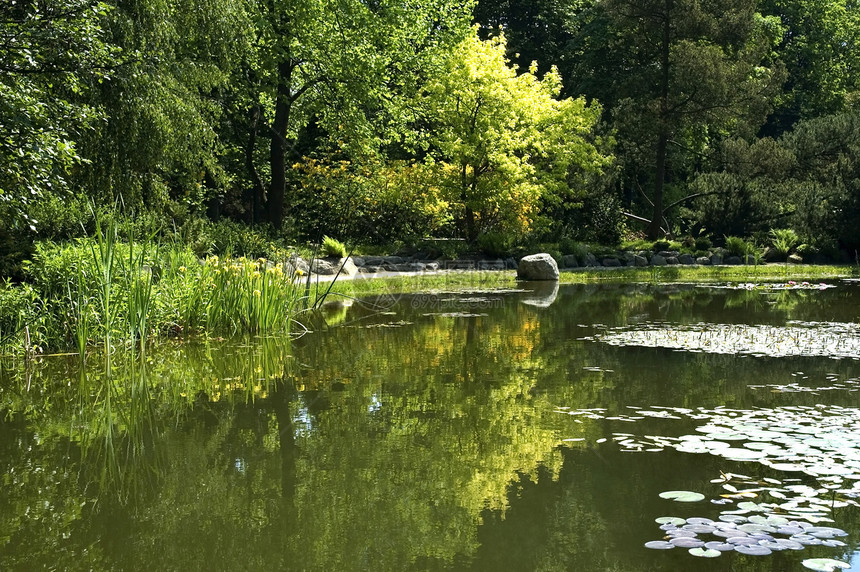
x=117, y=293
x=119, y=290
x=507, y=279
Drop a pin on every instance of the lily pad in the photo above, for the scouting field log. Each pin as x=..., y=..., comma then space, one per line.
x=659, y=545
x=677, y=521
x=753, y=550
x=682, y=496
x=687, y=542
x=704, y=552
x=824, y=564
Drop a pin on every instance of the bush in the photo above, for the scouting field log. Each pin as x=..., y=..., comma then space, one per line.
x=496, y=244
x=783, y=240
x=568, y=246
x=333, y=247
x=20, y=307
x=738, y=246
x=15, y=249
x=703, y=243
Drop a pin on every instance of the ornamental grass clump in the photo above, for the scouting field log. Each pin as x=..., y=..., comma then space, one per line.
x=333, y=247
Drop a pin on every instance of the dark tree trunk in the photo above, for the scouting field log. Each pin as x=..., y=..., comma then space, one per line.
x=654, y=229
x=278, y=153
x=257, y=192
x=469, y=214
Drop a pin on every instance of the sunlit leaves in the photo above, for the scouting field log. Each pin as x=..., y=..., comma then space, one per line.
x=502, y=139
x=50, y=54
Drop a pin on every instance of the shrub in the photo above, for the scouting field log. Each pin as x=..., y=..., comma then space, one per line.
x=19, y=308
x=495, y=244
x=333, y=247
x=783, y=240
x=568, y=246
x=738, y=246
x=703, y=243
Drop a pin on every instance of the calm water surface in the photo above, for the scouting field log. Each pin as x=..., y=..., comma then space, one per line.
x=527, y=430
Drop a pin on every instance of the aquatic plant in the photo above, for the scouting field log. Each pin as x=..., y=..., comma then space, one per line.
x=762, y=515
x=103, y=251
x=824, y=339
x=252, y=296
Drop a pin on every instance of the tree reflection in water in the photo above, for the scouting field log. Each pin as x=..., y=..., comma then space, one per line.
x=421, y=440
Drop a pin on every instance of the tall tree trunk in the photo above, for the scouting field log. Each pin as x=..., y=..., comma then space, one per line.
x=257, y=192
x=278, y=151
x=471, y=233
x=654, y=229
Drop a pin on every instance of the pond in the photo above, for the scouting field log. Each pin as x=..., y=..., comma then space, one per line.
x=598, y=427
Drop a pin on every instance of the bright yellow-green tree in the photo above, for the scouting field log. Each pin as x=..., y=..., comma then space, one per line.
x=501, y=140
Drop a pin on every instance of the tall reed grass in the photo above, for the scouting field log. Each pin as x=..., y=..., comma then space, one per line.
x=117, y=290
x=251, y=296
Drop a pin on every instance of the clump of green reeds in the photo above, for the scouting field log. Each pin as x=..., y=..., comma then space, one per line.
x=252, y=296
x=118, y=288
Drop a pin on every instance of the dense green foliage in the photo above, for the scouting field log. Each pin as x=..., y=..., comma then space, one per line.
x=705, y=100
x=389, y=122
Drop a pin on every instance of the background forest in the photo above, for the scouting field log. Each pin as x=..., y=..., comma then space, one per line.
x=381, y=122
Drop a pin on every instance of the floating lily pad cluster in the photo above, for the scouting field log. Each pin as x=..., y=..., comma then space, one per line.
x=820, y=339
x=821, y=442
x=790, y=285
x=454, y=314
x=755, y=536
x=834, y=384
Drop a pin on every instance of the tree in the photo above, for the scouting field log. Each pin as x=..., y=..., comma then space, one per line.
x=818, y=46
x=673, y=76
x=339, y=68
x=824, y=179
x=536, y=30
x=701, y=71
x=52, y=52
x=161, y=140
x=501, y=140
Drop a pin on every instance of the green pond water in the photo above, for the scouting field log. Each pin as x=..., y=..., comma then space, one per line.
x=484, y=430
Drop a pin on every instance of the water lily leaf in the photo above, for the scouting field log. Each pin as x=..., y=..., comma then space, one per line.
x=750, y=506
x=753, y=550
x=687, y=542
x=824, y=564
x=721, y=546
x=682, y=496
x=704, y=552
x=700, y=528
x=659, y=545
x=825, y=531
x=677, y=521
x=740, y=454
